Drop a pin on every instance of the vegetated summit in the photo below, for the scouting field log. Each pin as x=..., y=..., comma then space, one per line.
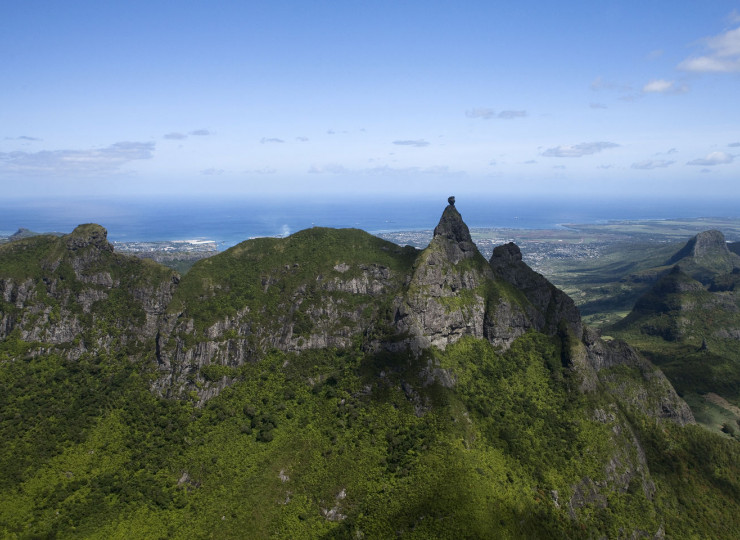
x=332, y=384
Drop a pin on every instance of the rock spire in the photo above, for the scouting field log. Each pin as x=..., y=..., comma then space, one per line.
x=452, y=231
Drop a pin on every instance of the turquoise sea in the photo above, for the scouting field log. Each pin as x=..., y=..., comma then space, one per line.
x=228, y=221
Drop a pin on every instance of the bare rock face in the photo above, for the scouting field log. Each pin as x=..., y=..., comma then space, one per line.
x=552, y=303
x=74, y=300
x=454, y=235
x=452, y=293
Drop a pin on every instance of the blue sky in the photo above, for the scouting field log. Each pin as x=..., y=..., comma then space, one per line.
x=595, y=98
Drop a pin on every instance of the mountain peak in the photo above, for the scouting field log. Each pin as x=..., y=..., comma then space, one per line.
x=705, y=244
x=89, y=234
x=452, y=230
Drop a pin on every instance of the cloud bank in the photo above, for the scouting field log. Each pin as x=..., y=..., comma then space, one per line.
x=79, y=162
x=722, y=55
x=486, y=114
x=22, y=138
x=715, y=158
x=419, y=143
x=579, y=150
x=661, y=86
x=652, y=164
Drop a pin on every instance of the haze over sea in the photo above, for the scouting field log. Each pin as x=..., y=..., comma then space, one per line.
x=229, y=221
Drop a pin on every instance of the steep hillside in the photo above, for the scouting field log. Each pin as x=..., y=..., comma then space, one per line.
x=689, y=324
x=334, y=385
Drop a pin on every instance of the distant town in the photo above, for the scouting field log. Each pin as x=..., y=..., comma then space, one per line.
x=167, y=246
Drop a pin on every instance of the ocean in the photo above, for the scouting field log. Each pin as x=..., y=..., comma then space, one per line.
x=229, y=221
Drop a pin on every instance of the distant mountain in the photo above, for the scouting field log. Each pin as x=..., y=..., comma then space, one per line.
x=688, y=323
x=705, y=256
x=334, y=385
x=27, y=233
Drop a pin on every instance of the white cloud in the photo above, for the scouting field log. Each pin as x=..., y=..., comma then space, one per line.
x=419, y=143
x=265, y=140
x=175, y=136
x=201, y=132
x=578, y=150
x=481, y=112
x=23, y=138
x=722, y=55
x=510, y=115
x=715, y=158
x=79, y=162
x=734, y=145
x=301, y=139
x=652, y=164
x=486, y=114
x=265, y=170
x=661, y=86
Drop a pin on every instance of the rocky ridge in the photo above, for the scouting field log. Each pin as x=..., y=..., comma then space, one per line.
x=282, y=294
x=79, y=297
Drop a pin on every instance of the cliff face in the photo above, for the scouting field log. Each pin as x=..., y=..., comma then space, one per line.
x=73, y=295
x=553, y=305
x=452, y=293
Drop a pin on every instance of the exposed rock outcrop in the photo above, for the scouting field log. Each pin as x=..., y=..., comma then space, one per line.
x=452, y=293
x=453, y=234
x=82, y=296
x=552, y=304
x=654, y=395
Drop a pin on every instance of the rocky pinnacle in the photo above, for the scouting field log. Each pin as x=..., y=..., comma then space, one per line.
x=455, y=234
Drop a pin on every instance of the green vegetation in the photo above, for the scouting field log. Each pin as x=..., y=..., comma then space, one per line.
x=367, y=441
x=333, y=443
x=261, y=274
